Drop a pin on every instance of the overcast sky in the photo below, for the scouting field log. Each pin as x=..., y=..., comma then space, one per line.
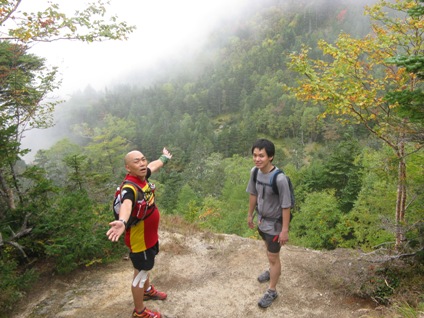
x=164, y=28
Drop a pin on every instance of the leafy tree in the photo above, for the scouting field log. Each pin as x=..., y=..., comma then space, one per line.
x=169, y=190
x=51, y=24
x=107, y=146
x=366, y=225
x=311, y=127
x=24, y=84
x=70, y=237
x=10, y=277
x=187, y=199
x=52, y=161
x=24, y=80
x=226, y=213
x=314, y=176
x=234, y=198
x=207, y=175
x=353, y=81
x=342, y=174
x=77, y=175
x=410, y=100
x=316, y=226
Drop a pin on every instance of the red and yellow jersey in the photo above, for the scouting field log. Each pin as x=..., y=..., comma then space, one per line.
x=144, y=234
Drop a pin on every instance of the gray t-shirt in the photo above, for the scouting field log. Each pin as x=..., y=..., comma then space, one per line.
x=269, y=205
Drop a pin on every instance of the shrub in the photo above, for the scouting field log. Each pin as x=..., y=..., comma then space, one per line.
x=13, y=283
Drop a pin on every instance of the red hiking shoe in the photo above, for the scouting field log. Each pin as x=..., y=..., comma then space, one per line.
x=146, y=313
x=153, y=294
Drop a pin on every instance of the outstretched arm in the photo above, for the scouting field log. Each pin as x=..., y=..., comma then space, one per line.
x=159, y=163
x=117, y=228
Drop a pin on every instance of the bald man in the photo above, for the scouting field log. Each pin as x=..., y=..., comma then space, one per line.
x=139, y=220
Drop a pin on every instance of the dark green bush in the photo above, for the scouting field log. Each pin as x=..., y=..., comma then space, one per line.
x=73, y=232
x=14, y=282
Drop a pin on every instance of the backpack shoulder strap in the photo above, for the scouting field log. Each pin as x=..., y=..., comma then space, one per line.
x=132, y=185
x=135, y=188
x=274, y=180
x=255, y=174
x=275, y=187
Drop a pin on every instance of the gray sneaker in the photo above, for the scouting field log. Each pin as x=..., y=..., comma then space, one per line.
x=264, y=277
x=267, y=298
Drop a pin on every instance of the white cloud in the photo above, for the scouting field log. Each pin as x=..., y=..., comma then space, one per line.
x=164, y=27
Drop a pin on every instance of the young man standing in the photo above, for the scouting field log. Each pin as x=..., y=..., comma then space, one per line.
x=273, y=213
x=141, y=236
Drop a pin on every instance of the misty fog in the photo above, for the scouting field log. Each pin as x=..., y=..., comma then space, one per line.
x=167, y=32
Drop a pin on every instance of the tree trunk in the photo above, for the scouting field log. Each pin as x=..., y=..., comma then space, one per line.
x=7, y=194
x=401, y=195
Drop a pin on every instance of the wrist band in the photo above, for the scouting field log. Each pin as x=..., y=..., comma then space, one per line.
x=164, y=159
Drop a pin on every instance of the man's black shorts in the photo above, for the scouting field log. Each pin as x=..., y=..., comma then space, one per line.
x=144, y=261
x=271, y=241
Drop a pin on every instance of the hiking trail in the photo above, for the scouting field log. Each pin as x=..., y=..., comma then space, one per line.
x=211, y=275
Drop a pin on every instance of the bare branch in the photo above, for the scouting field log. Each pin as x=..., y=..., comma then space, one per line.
x=24, y=230
x=374, y=257
x=19, y=247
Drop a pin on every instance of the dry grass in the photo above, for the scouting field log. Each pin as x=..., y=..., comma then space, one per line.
x=176, y=224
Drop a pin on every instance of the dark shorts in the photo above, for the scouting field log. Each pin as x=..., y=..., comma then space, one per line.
x=271, y=242
x=144, y=261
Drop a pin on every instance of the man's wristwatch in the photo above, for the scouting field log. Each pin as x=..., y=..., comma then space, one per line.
x=123, y=221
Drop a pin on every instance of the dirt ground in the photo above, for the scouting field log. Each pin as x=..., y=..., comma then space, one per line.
x=212, y=275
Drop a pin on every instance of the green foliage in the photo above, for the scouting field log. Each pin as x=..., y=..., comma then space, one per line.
x=53, y=161
x=405, y=310
x=24, y=82
x=369, y=225
x=14, y=282
x=76, y=177
x=38, y=189
x=228, y=213
x=108, y=143
x=187, y=203
x=50, y=24
x=207, y=174
x=343, y=173
x=397, y=278
x=313, y=177
x=72, y=231
x=210, y=214
x=370, y=222
x=168, y=191
x=316, y=225
x=224, y=212
x=410, y=104
x=382, y=285
x=357, y=73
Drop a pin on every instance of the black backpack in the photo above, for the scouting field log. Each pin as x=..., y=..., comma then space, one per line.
x=137, y=214
x=273, y=183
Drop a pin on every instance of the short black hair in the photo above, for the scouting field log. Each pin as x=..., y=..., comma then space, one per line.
x=264, y=144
